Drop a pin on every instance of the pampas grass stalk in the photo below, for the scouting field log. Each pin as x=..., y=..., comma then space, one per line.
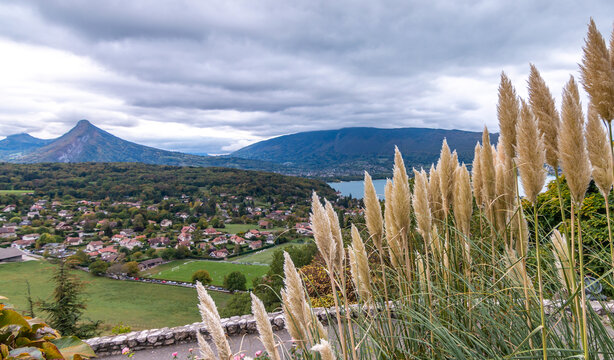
x=206, y=353
x=600, y=155
x=211, y=318
x=508, y=111
x=531, y=157
x=264, y=327
x=324, y=349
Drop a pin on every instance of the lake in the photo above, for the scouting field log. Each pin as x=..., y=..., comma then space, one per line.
x=356, y=188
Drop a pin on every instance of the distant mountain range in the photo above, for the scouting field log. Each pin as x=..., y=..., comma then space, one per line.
x=350, y=151
x=326, y=154
x=88, y=143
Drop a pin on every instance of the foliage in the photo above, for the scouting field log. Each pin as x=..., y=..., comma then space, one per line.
x=22, y=337
x=202, y=276
x=235, y=281
x=117, y=181
x=121, y=329
x=132, y=268
x=66, y=308
x=240, y=304
x=98, y=267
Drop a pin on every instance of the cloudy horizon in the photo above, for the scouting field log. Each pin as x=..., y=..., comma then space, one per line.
x=212, y=77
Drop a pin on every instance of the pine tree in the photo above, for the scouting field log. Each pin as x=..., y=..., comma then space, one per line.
x=67, y=305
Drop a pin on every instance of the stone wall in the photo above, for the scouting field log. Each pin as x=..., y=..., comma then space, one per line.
x=237, y=326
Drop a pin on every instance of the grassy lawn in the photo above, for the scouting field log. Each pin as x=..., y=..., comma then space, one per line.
x=182, y=270
x=264, y=256
x=16, y=192
x=237, y=228
x=139, y=305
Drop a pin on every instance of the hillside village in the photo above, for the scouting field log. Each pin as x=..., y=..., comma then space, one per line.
x=116, y=232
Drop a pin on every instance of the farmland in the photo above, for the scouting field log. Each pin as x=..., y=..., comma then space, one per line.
x=139, y=305
x=182, y=270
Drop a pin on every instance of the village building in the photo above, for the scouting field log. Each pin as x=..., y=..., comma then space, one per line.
x=10, y=255
x=94, y=245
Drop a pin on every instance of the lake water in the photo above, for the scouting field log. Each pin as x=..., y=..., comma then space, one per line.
x=357, y=189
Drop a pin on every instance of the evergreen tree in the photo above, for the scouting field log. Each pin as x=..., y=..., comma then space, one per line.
x=67, y=305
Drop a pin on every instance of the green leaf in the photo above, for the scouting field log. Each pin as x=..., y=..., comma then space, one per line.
x=12, y=317
x=31, y=352
x=51, y=351
x=71, y=346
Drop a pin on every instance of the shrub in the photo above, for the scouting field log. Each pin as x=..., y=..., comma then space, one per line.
x=202, y=276
x=235, y=281
x=99, y=267
x=26, y=338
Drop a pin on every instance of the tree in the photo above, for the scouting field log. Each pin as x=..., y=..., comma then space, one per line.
x=98, y=267
x=202, y=276
x=67, y=305
x=138, y=222
x=235, y=281
x=239, y=304
x=132, y=268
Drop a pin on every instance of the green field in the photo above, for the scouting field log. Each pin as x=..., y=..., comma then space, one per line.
x=237, y=228
x=16, y=192
x=182, y=270
x=264, y=256
x=139, y=305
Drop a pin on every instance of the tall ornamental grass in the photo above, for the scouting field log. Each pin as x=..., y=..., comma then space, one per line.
x=458, y=266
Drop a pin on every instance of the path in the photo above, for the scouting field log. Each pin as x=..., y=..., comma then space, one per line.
x=248, y=343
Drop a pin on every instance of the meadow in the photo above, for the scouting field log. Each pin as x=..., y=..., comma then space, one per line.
x=264, y=256
x=16, y=192
x=237, y=228
x=139, y=305
x=182, y=270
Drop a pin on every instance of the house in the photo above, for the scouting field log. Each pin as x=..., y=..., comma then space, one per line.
x=211, y=232
x=222, y=253
x=303, y=228
x=9, y=208
x=183, y=243
x=33, y=214
x=252, y=234
x=7, y=232
x=10, y=255
x=21, y=244
x=185, y=237
x=30, y=237
x=237, y=240
x=159, y=242
x=148, y=264
x=166, y=223
x=220, y=240
x=63, y=226
x=93, y=246
x=127, y=232
x=118, y=237
x=255, y=244
x=188, y=229
x=73, y=241
x=265, y=224
x=129, y=243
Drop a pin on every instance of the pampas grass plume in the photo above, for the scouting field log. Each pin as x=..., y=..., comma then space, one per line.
x=359, y=266
x=572, y=146
x=508, y=111
x=599, y=152
x=335, y=230
x=420, y=202
x=476, y=175
x=463, y=201
x=206, y=353
x=531, y=154
x=597, y=71
x=373, y=213
x=544, y=110
x=435, y=195
x=320, y=225
x=324, y=349
x=487, y=168
x=264, y=327
x=445, y=169
x=401, y=194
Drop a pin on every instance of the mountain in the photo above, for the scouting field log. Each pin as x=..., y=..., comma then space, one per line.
x=19, y=144
x=349, y=151
x=88, y=143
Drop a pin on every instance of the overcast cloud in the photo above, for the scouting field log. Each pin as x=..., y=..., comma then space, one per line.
x=213, y=76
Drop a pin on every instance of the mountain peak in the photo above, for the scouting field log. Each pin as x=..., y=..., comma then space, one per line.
x=84, y=123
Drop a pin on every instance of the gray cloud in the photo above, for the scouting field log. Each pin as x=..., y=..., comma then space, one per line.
x=244, y=71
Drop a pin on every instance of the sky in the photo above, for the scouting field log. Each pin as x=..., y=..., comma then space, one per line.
x=214, y=76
